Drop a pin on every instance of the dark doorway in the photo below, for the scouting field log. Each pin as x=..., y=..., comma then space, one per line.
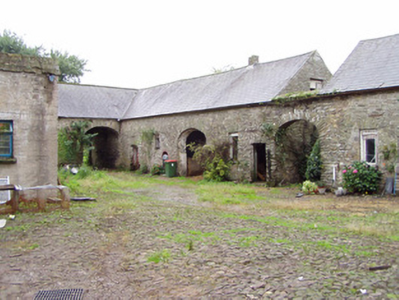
x=195, y=138
x=259, y=162
x=105, y=152
x=135, y=164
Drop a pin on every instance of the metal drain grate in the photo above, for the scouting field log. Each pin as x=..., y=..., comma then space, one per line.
x=67, y=294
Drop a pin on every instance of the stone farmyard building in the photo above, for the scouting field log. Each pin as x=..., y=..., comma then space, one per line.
x=353, y=114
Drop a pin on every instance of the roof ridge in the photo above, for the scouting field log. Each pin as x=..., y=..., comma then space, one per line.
x=228, y=71
x=99, y=86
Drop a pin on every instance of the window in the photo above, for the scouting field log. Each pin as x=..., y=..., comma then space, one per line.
x=316, y=84
x=368, y=147
x=6, y=138
x=234, y=146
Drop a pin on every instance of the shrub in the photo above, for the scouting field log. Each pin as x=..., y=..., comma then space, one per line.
x=156, y=170
x=309, y=187
x=215, y=159
x=216, y=169
x=314, y=163
x=362, y=178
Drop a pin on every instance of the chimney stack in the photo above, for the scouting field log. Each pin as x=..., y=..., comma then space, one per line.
x=254, y=59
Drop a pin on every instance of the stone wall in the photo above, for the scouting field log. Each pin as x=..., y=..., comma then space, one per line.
x=338, y=119
x=29, y=100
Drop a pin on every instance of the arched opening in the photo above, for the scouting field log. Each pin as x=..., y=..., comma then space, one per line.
x=105, y=152
x=195, y=138
x=294, y=141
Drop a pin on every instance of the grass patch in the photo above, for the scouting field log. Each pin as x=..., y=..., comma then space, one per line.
x=160, y=256
x=226, y=193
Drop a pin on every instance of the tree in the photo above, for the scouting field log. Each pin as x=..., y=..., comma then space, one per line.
x=73, y=141
x=71, y=66
x=11, y=43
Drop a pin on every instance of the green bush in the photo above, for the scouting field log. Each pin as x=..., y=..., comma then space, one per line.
x=362, y=178
x=309, y=187
x=215, y=160
x=314, y=163
x=157, y=170
x=217, y=170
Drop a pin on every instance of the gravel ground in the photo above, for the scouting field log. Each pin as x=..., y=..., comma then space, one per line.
x=174, y=247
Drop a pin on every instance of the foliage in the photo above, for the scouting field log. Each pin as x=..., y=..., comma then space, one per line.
x=362, y=178
x=147, y=136
x=217, y=170
x=215, y=159
x=268, y=129
x=294, y=96
x=390, y=155
x=73, y=141
x=309, y=187
x=314, y=163
x=157, y=169
x=160, y=256
x=11, y=43
x=71, y=66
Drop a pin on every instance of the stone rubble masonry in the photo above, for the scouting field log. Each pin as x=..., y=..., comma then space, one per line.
x=29, y=99
x=338, y=118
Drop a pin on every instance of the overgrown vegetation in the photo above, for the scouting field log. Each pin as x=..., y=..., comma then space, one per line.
x=359, y=177
x=214, y=158
x=314, y=163
x=390, y=156
x=74, y=142
x=289, y=97
x=293, y=146
x=147, y=140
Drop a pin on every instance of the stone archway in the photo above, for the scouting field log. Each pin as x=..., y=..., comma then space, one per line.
x=106, y=148
x=188, y=166
x=294, y=141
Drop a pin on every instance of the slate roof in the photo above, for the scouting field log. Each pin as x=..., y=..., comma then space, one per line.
x=373, y=64
x=85, y=101
x=251, y=84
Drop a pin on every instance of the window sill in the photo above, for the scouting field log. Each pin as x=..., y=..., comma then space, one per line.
x=8, y=160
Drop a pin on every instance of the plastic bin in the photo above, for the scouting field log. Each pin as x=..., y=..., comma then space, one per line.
x=170, y=167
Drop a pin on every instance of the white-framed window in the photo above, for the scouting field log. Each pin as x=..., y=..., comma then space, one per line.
x=369, y=146
x=315, y=84
x=6, y=138
x=233, y=137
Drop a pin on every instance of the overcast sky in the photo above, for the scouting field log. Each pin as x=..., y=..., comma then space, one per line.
x=138, y=44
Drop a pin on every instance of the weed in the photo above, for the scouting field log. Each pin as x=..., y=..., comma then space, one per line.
x=160, y=256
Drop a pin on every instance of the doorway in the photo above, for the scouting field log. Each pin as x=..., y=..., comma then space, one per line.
x=195, y=138
x=259, y=173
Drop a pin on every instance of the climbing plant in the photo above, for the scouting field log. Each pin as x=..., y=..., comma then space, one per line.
x=147, y=138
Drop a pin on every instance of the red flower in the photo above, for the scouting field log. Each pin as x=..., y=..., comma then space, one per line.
x=355, y=171
x=344, y=171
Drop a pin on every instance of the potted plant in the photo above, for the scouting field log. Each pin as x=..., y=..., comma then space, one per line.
x=309, y=187
x=321, y=187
